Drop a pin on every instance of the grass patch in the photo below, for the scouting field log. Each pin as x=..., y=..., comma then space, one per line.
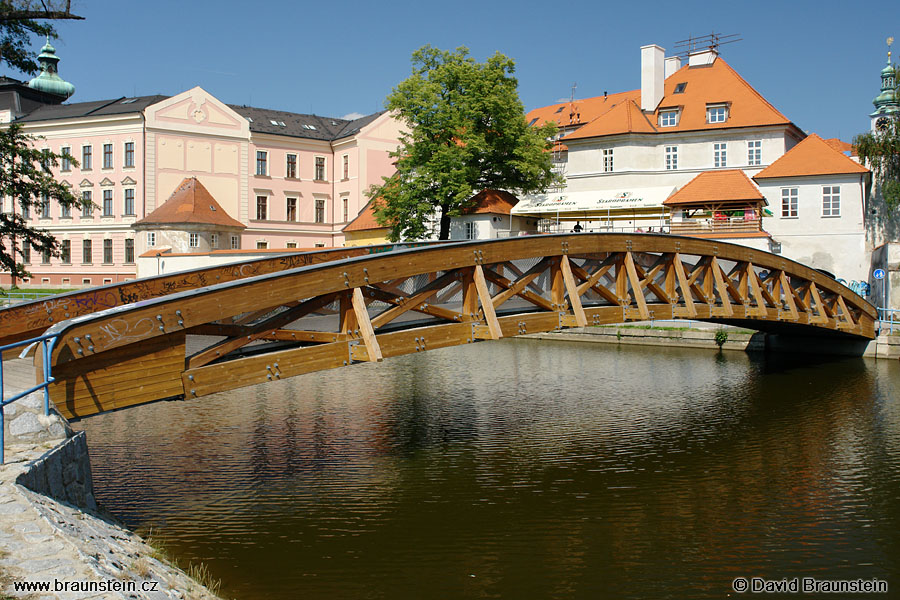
x=197, y=572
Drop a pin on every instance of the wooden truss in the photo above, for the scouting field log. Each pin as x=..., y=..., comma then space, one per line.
x=339, y=313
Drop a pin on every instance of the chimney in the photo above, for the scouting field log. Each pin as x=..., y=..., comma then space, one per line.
x=702, y=58
x=673, y=63
x=652, y=79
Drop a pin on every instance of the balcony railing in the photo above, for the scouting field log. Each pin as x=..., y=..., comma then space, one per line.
x=728, y=225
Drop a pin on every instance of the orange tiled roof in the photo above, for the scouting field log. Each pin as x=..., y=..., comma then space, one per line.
x=578, y=112
x=495, y=202
x=812, y=156
x=732, y=185
x=191, y=203
x=845, y=148
x=714, y=84
x=365, y=220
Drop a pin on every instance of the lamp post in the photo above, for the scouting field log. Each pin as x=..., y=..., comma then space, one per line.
x=158, y=254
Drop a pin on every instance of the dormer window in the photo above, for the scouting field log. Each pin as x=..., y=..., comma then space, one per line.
x=668, y=117
x=716, y=113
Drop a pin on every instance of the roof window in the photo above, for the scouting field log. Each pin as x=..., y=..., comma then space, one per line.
x=559, y=110
x=533, y=121
x=679, y=88
x=129, y=101
x=307, y=126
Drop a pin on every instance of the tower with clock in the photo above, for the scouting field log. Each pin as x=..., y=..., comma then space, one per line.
x=887, y=104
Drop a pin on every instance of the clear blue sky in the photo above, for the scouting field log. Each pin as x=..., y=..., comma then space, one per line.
x=817, y=61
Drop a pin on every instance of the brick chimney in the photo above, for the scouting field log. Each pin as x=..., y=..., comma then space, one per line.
x=652, y=76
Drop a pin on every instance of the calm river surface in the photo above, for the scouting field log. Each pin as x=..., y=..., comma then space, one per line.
x=522, y=469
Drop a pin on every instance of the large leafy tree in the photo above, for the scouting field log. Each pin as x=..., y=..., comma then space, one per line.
x=26, y=178
x=466, y=131
x=880, y=150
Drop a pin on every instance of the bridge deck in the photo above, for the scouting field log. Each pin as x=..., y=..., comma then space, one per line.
x=333, y=314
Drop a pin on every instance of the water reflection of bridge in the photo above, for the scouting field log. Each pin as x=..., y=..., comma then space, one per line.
x=216, y=329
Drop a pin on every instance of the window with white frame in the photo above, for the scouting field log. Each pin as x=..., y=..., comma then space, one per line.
x=26, y=252
x=107, y=203
x=87, y=252
x=45, y=257
x=668, y=118
x=151, y=239
x=320, y=168
x=607, y=160
x=671, y=158
x=789, y=202
x=346, y=161
x=235, y=242
x=716, y=113
x=129, y=154
x=291, y=209
x=262, y=245
x=719, y=154
x=320, y=211
x=87, y=205
x=754, y=152
x=471, y=230
x=107, y=251
x=65, y=163
x=65, y=255
x=214, y=240
x=45, y=206
x=65, y=211
x=107, y=156
x=129, y=201
x=195, y=240
x=831, y=201
x=262, y=162
x=262, y=203
x=86, y=157
x=290, y=167
x=129, y=251
x=346, y=203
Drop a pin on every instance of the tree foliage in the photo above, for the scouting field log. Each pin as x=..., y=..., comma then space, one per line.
x=880, y=150
x=466, y=131
x=19, y=21
x=26, y=178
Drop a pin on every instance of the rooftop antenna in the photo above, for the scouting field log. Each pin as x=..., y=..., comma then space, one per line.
x=712, y=42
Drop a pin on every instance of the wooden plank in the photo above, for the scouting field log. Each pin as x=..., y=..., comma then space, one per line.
x=398, y=300
x=591, y=281
x=650, y=284
x=487, y=305
x=416, y=301
x=525, y=294
x=789, y=296
x=136, y=374
x=574, y=296
x=635, y=286
x=684, y=285
x=756, y=291
x=365, y=326
x=517, y=287
x=721, y=287
x=816, y=302
x=251, y=370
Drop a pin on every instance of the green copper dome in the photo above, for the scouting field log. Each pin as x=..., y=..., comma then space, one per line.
x=49, y=80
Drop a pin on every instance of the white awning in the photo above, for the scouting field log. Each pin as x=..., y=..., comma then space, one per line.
x=598, y=202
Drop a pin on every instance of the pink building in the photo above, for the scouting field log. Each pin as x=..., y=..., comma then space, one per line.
x=292, y=180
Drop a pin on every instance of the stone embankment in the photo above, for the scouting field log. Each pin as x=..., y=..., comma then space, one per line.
x=703, y=335
x=51, y=532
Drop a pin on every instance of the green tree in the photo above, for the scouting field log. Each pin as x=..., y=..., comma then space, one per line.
x=880, y=150
x=26, y=178
x=466, y=131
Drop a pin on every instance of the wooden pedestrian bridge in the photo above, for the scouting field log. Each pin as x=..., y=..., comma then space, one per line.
x=200, y=332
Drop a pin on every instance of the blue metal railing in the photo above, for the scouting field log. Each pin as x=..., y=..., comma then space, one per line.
x=47, y=342
x=888, y=316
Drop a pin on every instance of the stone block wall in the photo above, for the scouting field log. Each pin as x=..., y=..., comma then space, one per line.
x=25, y=423
x=63, y=473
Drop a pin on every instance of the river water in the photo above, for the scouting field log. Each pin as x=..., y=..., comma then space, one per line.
x=522, y=469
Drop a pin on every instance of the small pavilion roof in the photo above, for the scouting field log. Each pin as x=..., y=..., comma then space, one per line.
x=731, y=185
x=191, y=202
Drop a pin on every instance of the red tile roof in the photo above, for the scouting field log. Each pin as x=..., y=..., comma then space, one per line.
x=732, y=185
x=494, y=202
x=845, y=148
x=812, y=156
x=191, y=203
x=713, y=84
x=365, y=220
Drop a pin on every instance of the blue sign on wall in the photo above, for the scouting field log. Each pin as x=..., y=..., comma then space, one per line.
x=878, y=273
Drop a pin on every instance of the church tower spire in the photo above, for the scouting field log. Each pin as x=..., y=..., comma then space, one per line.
x=49, y=80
